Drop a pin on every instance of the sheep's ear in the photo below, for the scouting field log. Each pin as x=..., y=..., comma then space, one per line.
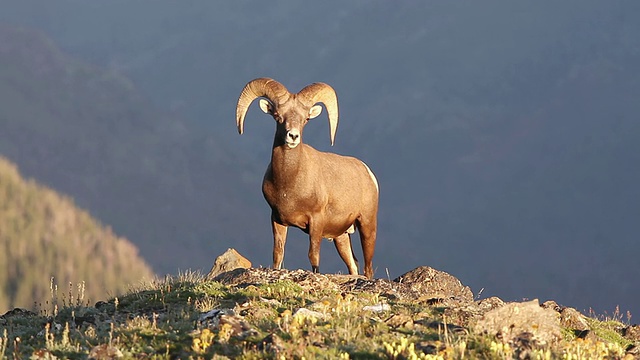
x=266, y=106
x=315, y=111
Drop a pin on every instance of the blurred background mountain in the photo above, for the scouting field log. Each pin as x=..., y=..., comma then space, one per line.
x=49, y=249
x=504, y=135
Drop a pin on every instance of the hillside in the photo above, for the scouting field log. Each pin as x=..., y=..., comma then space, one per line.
x=45, y=241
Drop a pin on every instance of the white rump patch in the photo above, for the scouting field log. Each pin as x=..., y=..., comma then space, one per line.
x=373, y=177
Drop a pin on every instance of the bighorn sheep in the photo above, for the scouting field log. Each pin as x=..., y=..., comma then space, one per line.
x=324, y=194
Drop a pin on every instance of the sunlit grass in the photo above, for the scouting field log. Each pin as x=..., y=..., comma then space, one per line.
x=189, y=317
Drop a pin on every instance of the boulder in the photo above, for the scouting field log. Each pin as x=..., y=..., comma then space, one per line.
x=517, y=320
x=571, y=318
x=422, y=284
x=228, y=261
x=491, y=303
x=261, y=276
x=632, y=332
x=436, y=286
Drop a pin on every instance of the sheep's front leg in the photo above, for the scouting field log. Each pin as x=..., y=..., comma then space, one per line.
x=315, y=240
x=279, y=239
x=314, y=253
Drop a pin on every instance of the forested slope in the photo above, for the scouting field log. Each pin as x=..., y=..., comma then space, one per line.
x=43, y=235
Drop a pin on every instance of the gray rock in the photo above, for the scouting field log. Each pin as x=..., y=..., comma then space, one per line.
x=632, y=352
x=632, y=332
x=105, y=351
x=272, y=344
x=238, y=325
x=509, y=322
x=305, y=279
x=384, y=287
x=379, y=307
x=550, y=304
x=228, y=261
x=571, y=318
x=439, y=286
x=422, y=284
x=400, y=320
x=306, y=313
x=491, y=303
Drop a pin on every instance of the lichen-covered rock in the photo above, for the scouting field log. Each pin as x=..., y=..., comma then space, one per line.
x=509, y=322
x=400, y=320
x=104, y=351
x=272, y=344
x=305, y=279
x=632, y=332
x=228, y=261
x=309, y=280
x=423, y=284
x=431, y=284
x=550, y=304
x=384, y=287
x=491, y=303
x=572, y=319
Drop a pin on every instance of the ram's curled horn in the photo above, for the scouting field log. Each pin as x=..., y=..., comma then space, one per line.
x=261, y=87
x=321, y=92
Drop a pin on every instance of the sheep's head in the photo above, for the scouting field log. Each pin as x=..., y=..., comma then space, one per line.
x=291, y=111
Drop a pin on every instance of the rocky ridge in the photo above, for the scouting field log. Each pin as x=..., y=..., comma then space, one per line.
x=522, y=325
x=241, y=311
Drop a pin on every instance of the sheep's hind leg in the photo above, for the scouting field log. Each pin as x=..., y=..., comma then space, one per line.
x=343, y=245
x=279, y=239
x=367, y=232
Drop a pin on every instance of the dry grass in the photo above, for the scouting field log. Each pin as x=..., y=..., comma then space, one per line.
x=166, y=319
